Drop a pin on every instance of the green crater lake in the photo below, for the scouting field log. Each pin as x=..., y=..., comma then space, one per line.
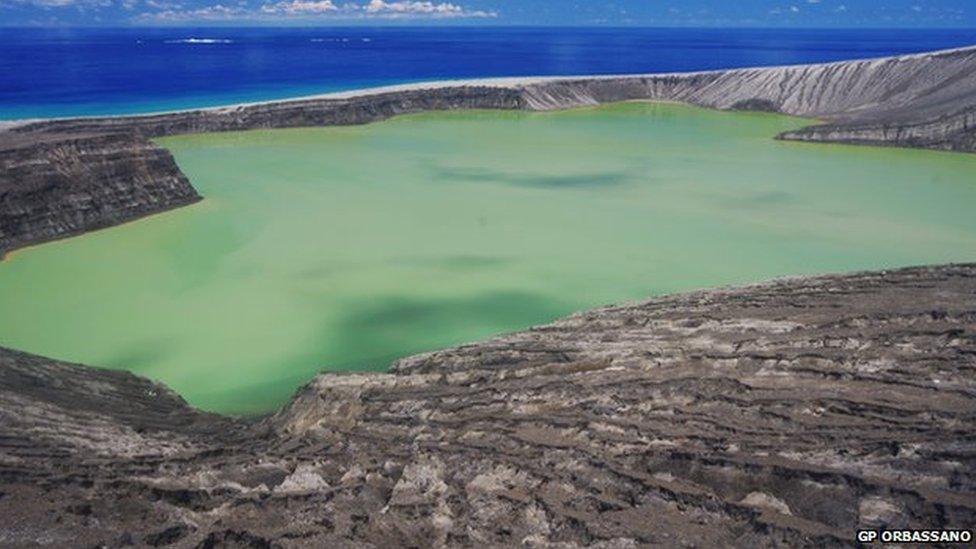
x=346, y=248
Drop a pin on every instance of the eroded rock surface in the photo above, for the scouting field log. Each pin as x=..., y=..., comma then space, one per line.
x=58, y=185
x=781, y=414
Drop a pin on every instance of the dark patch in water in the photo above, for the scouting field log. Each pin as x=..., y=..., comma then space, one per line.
x=486, y=175
x=772, y=197
x=374, y=334
x=453, y=262
x=320, y=272
x=139, y=357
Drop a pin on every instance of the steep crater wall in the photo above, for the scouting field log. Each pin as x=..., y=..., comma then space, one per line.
x=60, y=185
x=363, y=109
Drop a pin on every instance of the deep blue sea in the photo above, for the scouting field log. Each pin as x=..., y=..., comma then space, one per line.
x=69, y=72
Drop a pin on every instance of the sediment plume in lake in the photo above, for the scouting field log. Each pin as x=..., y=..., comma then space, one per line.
x=785, y=413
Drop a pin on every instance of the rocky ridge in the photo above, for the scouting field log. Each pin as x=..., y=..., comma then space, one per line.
x=105, y=171
x=60, y=185
x=786, y=413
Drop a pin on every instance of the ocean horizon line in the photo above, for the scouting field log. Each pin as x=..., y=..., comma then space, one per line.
x=466, y=25
x=159, y=69
x=501, y=82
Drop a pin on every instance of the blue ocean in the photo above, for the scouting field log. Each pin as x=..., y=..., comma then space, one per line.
x=71, y=72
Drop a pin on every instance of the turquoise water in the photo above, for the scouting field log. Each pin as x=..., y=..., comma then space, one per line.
x=345, y=248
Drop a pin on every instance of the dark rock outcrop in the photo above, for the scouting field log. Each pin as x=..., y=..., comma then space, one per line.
x=955, y=131
x=782, y=414
x=326, y=111
x=58, y=185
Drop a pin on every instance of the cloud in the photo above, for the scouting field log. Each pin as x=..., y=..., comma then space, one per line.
x=301, y=7
x=791, y=10
x=217, y=12
x=48, y=4
x=422, y=9
x=311, y=9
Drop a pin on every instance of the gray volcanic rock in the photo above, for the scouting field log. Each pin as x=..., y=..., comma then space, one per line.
x=346, y=111
x=910, y=88
x=57, y=185
x=781, y=414
x=955, y=131
x=924, y=101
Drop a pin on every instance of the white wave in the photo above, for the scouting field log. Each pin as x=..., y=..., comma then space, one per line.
x=200, y=41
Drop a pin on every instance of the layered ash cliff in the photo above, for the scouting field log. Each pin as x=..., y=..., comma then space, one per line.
x=925, y=100
x=58, y=185
x=782, y=414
